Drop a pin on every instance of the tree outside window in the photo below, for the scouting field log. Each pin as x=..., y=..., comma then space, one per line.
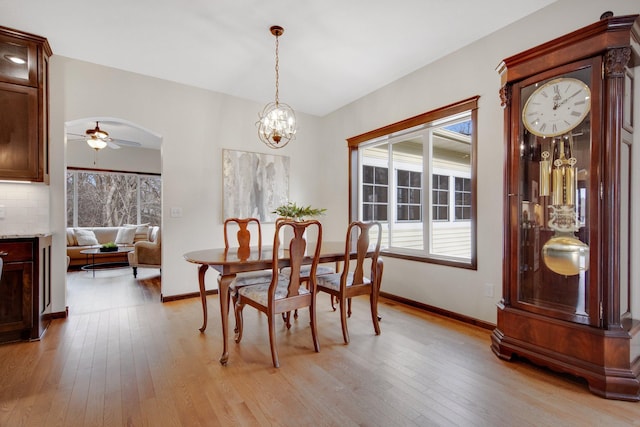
x=109, y=199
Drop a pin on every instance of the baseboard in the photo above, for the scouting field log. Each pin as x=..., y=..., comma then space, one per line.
x=406, y=301
x=57, y=315
x=185, y=296
x=439, y=311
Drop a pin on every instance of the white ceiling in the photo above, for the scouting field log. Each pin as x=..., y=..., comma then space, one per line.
x=332, y=51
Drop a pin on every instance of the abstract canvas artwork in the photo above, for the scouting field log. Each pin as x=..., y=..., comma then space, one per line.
x=254, y=184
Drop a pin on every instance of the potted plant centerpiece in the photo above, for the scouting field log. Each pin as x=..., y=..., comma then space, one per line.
x=298, y=213
x=109, y=247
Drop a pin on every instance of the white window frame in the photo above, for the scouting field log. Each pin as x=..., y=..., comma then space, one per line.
x=424, y=131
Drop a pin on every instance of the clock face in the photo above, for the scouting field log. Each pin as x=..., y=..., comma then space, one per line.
x=556, y=107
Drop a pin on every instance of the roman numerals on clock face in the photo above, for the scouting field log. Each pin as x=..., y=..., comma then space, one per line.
x=556, y=107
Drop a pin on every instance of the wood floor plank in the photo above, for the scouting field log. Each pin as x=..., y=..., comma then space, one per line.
x=124, y=358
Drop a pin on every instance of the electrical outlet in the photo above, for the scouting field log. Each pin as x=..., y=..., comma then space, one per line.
x=176, y=212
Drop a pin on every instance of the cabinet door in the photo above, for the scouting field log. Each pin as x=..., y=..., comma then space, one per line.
x=18, y=61
x=555, y=158
x=21, y=157
x=15, y=296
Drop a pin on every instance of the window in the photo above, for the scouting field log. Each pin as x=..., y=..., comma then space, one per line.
x=409, y=187
x=417, y=177
x=463, y=198
x=106, y=199
x=440, y=198
x=374, y=193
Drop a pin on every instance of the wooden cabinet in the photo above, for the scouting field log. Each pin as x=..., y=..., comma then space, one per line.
x=25, y=287
x=571, y=297
x=24, y=100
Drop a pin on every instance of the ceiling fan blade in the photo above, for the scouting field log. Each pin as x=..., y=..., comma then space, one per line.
x=112, y=144
x=126, y=143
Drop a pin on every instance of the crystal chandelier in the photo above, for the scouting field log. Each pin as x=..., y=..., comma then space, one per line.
x=277, y=123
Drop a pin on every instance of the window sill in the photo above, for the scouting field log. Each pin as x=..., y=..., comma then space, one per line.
x=431, y=260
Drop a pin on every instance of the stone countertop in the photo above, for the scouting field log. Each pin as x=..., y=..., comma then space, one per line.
x=23, y=236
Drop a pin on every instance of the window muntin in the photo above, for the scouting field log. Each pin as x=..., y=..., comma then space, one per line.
x=440, y=197
x=409, y=195
x=375, y=189
x=437, y=150
x=462, y=198
x=104, y=199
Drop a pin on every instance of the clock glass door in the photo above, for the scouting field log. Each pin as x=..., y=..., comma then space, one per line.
x=555, y=189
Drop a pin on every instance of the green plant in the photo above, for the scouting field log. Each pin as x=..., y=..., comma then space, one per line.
x=110, y=245
x=292, y=210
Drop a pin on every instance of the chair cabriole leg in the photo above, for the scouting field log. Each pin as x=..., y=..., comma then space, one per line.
x=238, y=306
x=373, y=298
x=343, y=319
x=272, y=340
x=314, y=327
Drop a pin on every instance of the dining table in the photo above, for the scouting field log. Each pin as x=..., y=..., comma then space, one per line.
x=231, y=261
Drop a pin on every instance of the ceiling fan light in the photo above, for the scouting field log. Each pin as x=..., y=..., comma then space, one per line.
x=96, y=143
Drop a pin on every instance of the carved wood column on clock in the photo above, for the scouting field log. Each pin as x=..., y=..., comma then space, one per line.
x=615, y=63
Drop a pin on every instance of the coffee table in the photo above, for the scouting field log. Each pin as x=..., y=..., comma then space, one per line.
x=96, y=254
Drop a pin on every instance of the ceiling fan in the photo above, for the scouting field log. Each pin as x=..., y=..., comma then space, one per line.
x=98, y=139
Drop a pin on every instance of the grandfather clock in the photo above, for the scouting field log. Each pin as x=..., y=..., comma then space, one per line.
x=570, y=301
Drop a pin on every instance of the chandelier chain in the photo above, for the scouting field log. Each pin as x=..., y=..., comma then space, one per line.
x=277, y=71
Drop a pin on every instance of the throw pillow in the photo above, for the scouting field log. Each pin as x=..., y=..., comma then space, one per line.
x=85, y=237
x=142, y=232
x=125, y=236
x=71, y=239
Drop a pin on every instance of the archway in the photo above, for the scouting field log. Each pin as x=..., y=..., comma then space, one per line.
x=131, y=164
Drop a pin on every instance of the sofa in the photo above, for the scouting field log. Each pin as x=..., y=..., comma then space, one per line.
x=81, y=238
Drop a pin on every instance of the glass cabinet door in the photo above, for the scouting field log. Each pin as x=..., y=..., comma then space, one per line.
x=554, y=203
x=18, y=61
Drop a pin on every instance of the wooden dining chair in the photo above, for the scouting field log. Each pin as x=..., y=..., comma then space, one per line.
x=245, y=240
x=352, y=281
x=304, y=271
x=285, y=292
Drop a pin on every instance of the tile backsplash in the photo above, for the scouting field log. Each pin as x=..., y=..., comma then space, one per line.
x=24, y=208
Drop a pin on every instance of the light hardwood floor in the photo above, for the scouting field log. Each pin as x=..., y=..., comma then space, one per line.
x=124, y=358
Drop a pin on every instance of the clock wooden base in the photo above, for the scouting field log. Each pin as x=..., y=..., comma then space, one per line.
x=599, y=356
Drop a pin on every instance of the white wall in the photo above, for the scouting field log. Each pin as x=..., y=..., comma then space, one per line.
x=463, y=74
x=196, y=125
